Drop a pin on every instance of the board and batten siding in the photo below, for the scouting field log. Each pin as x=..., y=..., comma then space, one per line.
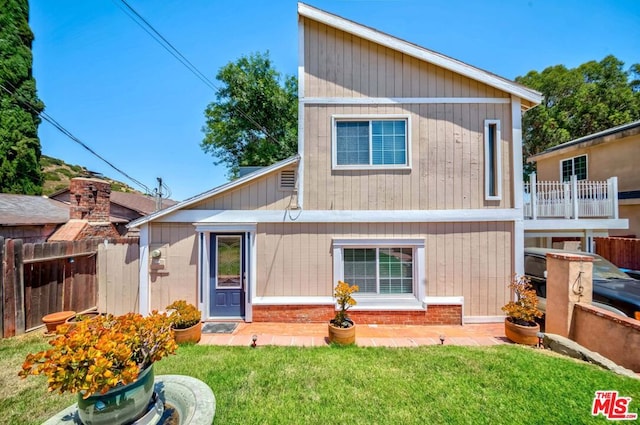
x=261, y=194
x=469, y=259
x=447, y=160
x=338, y=64
x=179, y=279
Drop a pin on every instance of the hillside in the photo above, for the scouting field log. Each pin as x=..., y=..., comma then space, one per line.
x=57, y=174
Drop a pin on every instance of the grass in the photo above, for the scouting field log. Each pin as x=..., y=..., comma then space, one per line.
x=289, y=385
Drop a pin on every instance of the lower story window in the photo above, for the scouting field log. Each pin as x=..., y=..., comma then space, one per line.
x=379, y=270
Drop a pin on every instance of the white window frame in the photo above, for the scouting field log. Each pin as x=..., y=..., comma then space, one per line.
x=419, y=279
x=572, y=159
x=369, y=117
x=497, y=196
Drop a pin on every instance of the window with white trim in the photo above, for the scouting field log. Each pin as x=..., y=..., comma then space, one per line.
x=390, y=271
x=574, y=166
x=370, y=142
x=492, y=161
x=379, y=270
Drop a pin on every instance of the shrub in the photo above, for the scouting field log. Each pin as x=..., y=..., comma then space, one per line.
x=99, y=354
x=183, y=315
x=343, y=297
x=524, y=310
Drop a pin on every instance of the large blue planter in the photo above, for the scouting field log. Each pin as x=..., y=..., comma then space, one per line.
x=120, y=405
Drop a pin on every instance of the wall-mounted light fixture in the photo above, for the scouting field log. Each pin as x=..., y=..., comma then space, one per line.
x=78, y=197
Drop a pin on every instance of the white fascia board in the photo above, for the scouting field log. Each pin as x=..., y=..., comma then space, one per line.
x=443, y=300
x=418, y=52
x=580, y=224
x=215, y=191
x=293, y=301
x=202, y=217
x=403, y=100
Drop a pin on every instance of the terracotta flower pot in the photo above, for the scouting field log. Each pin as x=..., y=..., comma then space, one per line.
x=191, y=334
x=342, y=336
x=53, y=320
x=526, y=335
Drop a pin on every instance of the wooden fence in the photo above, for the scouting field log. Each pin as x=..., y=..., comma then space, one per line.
x=41, y=278
x=623, y=252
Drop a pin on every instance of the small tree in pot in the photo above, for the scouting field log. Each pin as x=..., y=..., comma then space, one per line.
x=342, y=330
x=520, y=323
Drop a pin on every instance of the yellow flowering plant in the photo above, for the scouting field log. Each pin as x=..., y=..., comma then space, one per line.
x=524, y=310
x=183, y=315
x=342, y=294
x=99, y=354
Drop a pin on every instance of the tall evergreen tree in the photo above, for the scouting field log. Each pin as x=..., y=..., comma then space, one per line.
x=19, y=105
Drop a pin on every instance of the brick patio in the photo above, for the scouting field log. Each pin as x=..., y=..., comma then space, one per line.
x=315, y=334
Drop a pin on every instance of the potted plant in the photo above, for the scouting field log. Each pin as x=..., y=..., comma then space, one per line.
x=520, y=324
x=342, y=330
x=185, y=321
x=108, y=362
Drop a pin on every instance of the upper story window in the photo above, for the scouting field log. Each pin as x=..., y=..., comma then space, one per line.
x=574, y=166
x=492, y=161
x=370, y=142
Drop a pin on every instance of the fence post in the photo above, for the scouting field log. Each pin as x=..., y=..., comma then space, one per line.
x=533, y=192
x=574, y=195
x=613, y=195
x=19, y=288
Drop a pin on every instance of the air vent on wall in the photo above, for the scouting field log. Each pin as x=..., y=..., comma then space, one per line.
x=288, y=179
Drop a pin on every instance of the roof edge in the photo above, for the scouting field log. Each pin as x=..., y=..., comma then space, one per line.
x=419, y=52
x=632, y=129
x=215, y=191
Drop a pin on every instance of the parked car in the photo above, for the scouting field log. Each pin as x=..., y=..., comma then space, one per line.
x=613, y=290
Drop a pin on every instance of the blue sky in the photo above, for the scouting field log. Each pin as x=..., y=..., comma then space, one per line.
x=111, y=85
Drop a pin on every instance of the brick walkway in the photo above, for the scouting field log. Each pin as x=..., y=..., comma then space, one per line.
x=315, y=334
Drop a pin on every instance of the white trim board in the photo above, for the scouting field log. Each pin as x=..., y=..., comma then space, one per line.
x=580, y=224
x=219, y=217
x=215, y=191
x=293, y=301
x=403, y=100
x=418, y=52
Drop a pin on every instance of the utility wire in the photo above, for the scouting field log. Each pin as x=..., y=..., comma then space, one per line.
x=67, y=133
x=160, y=39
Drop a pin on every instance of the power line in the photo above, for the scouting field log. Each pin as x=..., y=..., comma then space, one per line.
x=160, y=39
x=70, y=135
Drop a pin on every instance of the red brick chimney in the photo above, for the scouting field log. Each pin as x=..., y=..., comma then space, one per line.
x=89, y=199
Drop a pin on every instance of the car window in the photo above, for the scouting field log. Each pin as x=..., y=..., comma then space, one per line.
x=534, y=266
x=602, y=269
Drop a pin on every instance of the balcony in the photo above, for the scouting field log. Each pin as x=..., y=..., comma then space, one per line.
x=571, y=200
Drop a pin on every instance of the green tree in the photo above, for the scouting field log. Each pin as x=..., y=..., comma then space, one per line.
x=19, y=144
x=579, y=101
x=254, y=120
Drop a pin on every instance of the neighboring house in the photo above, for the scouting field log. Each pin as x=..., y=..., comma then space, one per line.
x=124, y=207
x=87, y=209
x=408, y=183
x=30, y=218
x=610, y=155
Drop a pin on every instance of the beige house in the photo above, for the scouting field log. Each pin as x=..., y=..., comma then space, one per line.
x=408, y=183
x=600, y=162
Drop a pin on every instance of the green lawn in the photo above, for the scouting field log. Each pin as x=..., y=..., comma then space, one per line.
x=325, y=385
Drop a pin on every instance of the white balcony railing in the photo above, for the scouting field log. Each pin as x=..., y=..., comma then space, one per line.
x=572, y=200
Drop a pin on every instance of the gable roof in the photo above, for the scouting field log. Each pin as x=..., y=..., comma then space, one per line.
x=605, y=136
x=421, y=53
x=17, y=210
x=217, y=190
